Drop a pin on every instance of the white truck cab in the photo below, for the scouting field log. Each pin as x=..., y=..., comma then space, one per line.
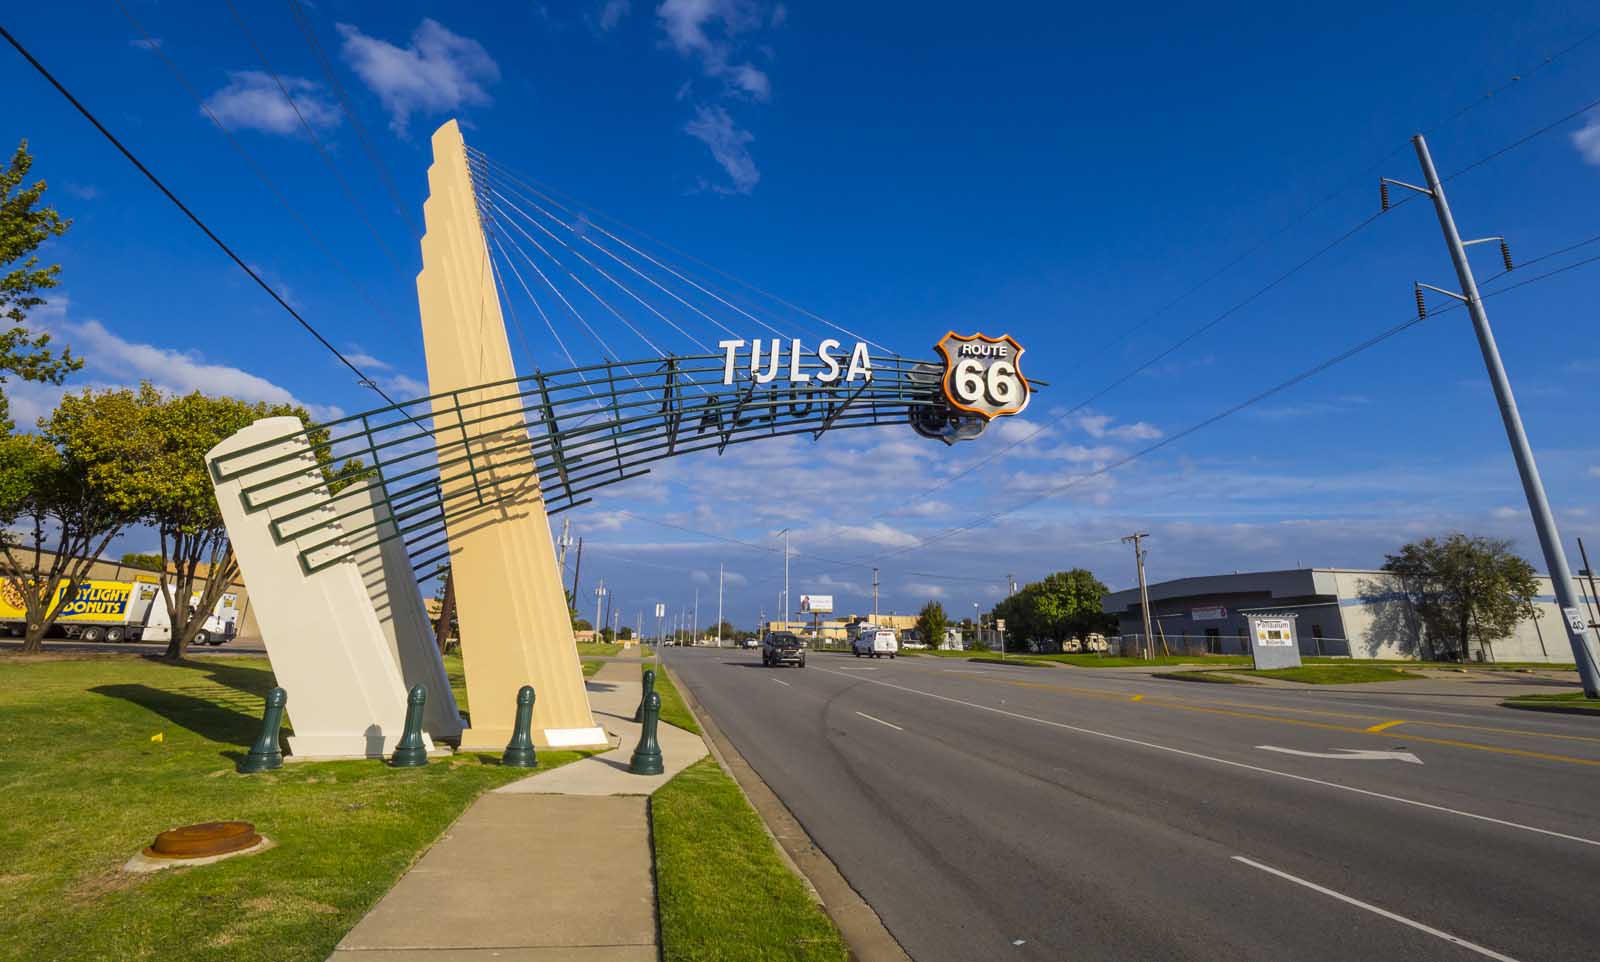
x=875, y=642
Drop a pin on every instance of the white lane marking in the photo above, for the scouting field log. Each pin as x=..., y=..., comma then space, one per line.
x=967, y=671
x=1358, y=754
x=1452, y=939
x=1245, y=765
x=879, y=721
x=859, y=668
x=783, y=683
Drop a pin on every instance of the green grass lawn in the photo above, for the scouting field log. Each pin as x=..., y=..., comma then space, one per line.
x=724, y=893
x=1571, y=701
x=1029, y=661
x=673, y=710
x=1340, y=674
x=86, y=788
x=1213, y=677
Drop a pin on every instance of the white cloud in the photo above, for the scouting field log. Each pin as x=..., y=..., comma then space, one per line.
x=1594, y=471
x=113, y=361
x=612, y=13
x=1587, y=140
x=1101, y=426
x=438, y=71
x=1504, y=512
x=713, y=127
x=924, y=589
x=146, y=43
x=83, y=191
x=252, y=101
x=706, y=29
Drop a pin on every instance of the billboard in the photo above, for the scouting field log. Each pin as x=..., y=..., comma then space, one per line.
x=817, y=604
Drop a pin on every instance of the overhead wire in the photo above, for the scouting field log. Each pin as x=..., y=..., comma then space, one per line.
x=191, y=215
x=307, y=31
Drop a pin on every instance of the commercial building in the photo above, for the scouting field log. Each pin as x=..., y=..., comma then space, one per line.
x=838, y=629
x=1340, y=611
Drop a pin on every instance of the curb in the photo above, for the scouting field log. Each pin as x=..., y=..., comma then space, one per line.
x=863, y=931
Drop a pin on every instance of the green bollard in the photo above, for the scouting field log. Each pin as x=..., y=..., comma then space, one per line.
x=409, y=752
x=644, y=696
x=647, y=757
x=265, y=755
x=519, y=751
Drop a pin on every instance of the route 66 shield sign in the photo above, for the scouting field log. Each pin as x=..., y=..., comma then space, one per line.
x=982, y=374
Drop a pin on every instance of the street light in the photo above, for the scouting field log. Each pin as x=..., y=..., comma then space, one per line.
x=976, y=633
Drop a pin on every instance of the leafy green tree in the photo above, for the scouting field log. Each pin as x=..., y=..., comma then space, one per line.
x=24, y=225
x=149, y=561
x=932, y=623
x=1464, y=589
x=171, y=490
x=626, y=634
x=1063, y=605
x=67, y=510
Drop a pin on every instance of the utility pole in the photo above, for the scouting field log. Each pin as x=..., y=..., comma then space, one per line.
x=1012, y=580
x=1594, y=595
x=564, y=543
x=577, y=569
x=696, y=626
x=1137, y=539
x=610, y=595
x=785, y=533
x=599, y=593
x=719, y=604
x=1584, y=652
x=874, y=595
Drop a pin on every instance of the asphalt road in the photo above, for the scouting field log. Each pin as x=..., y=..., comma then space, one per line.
x=1016, y=813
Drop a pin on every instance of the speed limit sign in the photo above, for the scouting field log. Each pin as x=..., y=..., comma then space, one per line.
x=982, y=374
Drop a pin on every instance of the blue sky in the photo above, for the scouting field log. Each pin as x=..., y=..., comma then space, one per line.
x=1056, y=171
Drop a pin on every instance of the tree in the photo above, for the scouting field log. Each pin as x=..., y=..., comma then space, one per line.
x=1063, y=605
x=171, y=490
x=147, y=560
x=626, y=634
x=1464, y=589
x=724, y=630
x=52, y=487
x=932, y=624
x=23, y=227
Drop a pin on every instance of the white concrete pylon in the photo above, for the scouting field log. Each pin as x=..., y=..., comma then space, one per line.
x=397, y=601
x=327, y=648
x=510, y=601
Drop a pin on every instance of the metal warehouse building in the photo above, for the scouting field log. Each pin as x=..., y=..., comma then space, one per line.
x=1341, y=611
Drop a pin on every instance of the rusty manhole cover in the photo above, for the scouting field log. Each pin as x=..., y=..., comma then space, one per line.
x=205, y=840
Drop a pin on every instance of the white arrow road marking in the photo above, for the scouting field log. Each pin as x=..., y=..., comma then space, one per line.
x=1453, y=939
x=879, y=721
x=1359, y=754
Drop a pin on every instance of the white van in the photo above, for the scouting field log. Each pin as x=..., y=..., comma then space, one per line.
x=875, y=641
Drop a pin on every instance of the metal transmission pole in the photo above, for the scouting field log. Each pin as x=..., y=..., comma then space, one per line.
x=564, y=543
x=719, y=604
x=599, y=594
x=1137, y=540
x=1584, y=652
x=874, y=595
x=1012, y=579
x=785, y=533
x=695, y=627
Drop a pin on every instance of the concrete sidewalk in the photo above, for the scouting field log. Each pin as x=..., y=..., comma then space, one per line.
x=540, y=870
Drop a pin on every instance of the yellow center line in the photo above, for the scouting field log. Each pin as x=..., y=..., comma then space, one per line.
x=1385, y=726
x=1137, y=698
x=1305, y=723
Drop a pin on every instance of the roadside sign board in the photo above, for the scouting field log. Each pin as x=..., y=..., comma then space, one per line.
x=817, y=604
x=661, y=610
x=1272, y=639
x=1209, y=613
x=999, y=624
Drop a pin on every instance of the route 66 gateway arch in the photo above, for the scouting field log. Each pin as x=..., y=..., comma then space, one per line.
x=466, y=478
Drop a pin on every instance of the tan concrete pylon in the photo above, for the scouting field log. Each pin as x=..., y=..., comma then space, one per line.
x=510, y=602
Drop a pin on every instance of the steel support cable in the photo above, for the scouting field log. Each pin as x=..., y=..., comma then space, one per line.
x=507, y=172
x=1281, y=386
x=322, y=151
x=646, y=277
x=587, y=289
x=255, y=167
x=310, y=35
x=604, y=347
x=592, y=266
x=193, y=218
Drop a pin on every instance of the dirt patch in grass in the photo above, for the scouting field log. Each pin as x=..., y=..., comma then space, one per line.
x=1213, y=677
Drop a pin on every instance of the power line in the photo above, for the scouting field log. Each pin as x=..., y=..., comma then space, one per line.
x=310, y=35
x=194, y=218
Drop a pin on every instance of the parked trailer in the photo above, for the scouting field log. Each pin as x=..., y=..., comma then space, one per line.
x=118, y=611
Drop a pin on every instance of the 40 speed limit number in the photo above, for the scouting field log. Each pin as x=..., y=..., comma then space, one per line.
x=982, y=375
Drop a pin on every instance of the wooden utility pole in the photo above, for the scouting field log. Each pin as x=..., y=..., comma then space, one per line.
x=447, y=610
x=1137, y=540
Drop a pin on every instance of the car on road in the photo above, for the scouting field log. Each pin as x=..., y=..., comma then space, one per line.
x=783, y=648
x=875, y=642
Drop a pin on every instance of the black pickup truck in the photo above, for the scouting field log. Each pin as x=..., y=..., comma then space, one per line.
x=783, y=648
